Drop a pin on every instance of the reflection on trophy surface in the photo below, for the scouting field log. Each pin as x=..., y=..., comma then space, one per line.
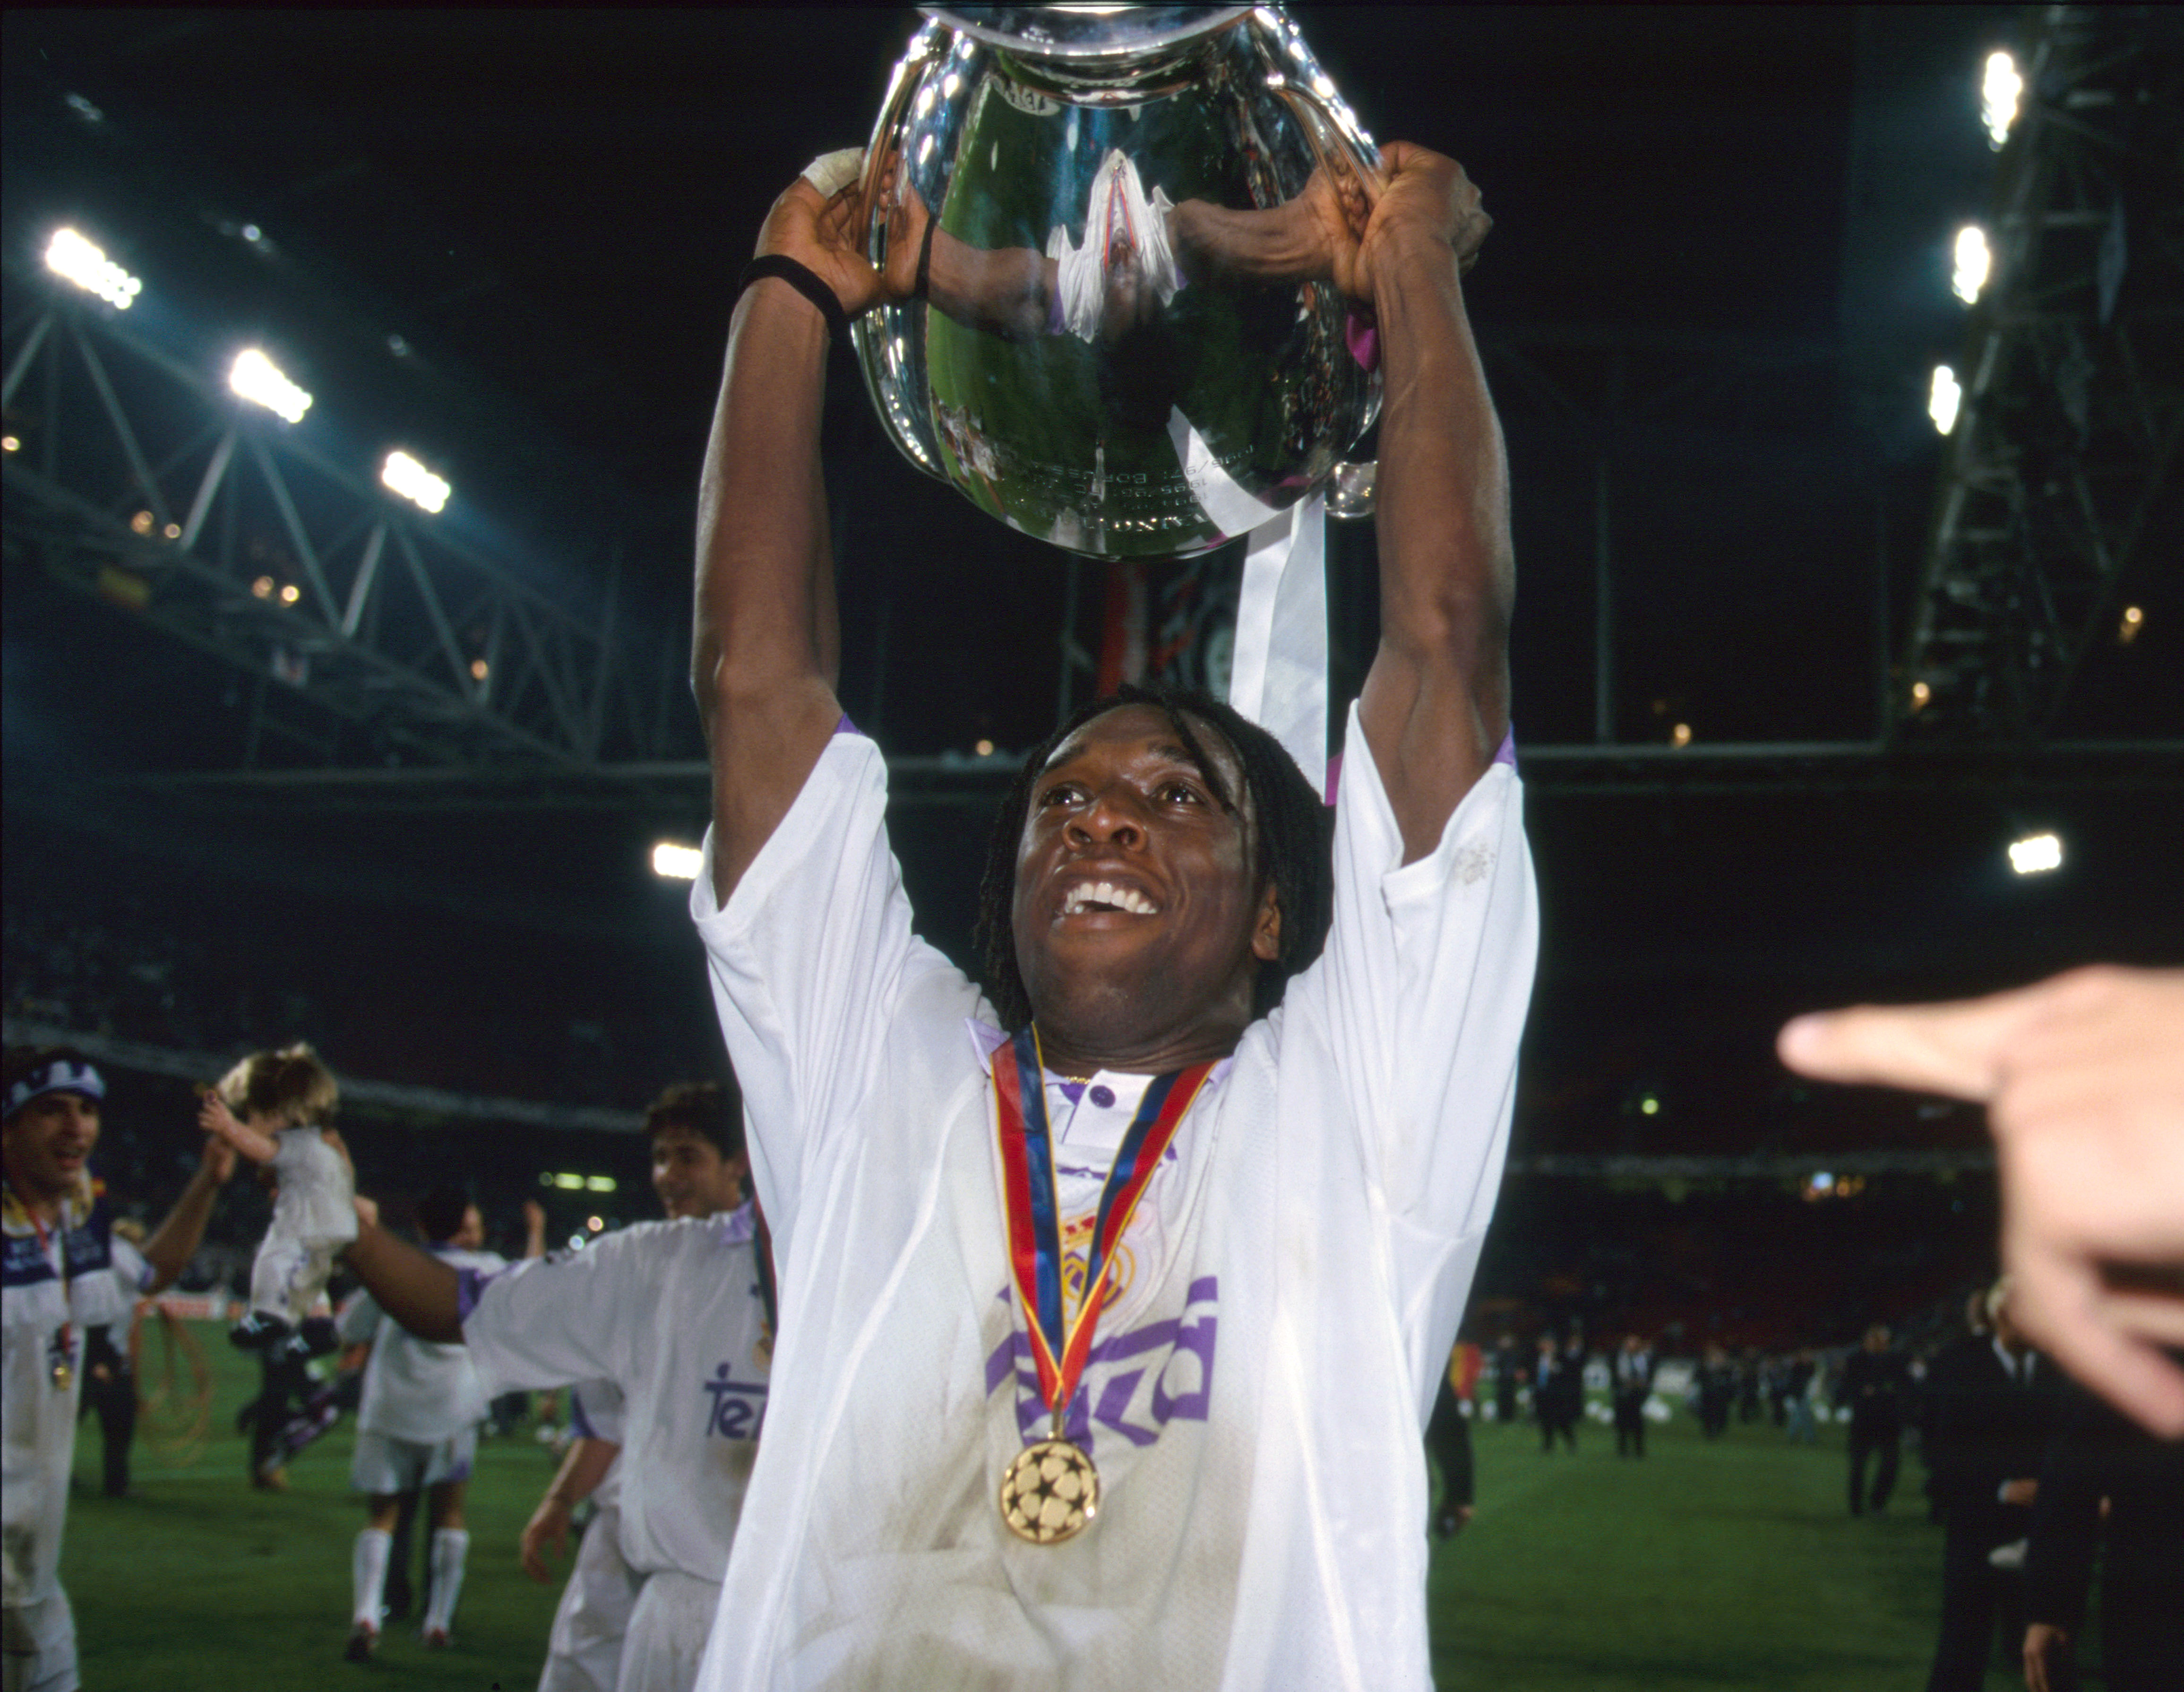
x=1128, y=343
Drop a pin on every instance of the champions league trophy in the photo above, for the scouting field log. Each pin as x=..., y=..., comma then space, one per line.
x=1116, y=344
x=1104, y=359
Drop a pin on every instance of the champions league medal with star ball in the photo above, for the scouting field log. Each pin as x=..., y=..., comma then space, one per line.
x=1051, y=1490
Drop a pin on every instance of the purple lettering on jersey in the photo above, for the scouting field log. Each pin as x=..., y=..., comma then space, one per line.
x=1135, y=1403
x=738, y=1406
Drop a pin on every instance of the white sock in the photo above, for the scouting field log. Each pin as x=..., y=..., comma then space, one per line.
x=450, y=1547
x=368, y=1571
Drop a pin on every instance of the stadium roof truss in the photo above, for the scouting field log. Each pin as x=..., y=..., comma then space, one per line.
x=132, y=476
x=2060, y=478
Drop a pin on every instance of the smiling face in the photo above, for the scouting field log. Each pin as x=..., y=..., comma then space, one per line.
x=1139, y=924
x=691, y=1176
x=46, y=1145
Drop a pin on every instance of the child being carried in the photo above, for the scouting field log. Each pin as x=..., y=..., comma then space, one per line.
x=276, y=1109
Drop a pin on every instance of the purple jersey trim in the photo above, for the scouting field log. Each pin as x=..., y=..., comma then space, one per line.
x=579, y=1423
x=470, y=1287
x=1362, y=335
x=845, y=726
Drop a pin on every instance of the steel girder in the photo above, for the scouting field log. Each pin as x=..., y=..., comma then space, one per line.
x=2059, y=480
x=133, y=477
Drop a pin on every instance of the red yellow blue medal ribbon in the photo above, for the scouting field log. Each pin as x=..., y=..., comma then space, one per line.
x=1061, y=1342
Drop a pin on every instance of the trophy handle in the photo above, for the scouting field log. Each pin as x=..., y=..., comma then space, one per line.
x=1337, y=146
x=886, y=135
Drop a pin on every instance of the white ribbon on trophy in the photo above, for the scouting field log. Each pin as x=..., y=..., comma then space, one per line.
x=1278, y=676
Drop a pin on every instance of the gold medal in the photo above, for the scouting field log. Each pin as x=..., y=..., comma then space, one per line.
x=1050, y=1492
x=62, y=1374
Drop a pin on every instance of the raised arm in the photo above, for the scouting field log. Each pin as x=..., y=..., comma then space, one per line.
x=768, y=646
x=1435, y=704
x=216, y=1117
x=417, y=1289
x=169, y=1250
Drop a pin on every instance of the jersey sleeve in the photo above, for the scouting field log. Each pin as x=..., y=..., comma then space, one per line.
x=289, y=1151
x=595, y=1410
x=358, y=1323
x=813, y=961
x=132, y=1273
x=553, y=1320
x=1420, y=999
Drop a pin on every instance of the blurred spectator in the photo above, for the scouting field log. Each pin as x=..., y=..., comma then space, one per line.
x=1995, y=1408
x=1876, y=1389
x=1633, y=1385
x=2111, y=1494
x=1717, y=1386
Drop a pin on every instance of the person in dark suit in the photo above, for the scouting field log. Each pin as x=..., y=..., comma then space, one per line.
x=1448, y=1436
x=109, y=1388
x=2100, y=1455
x=1717, y=1385
x=1634, y=1384
x=1876, y=1388
x=1554, y=1385
x=1995, y=1403
x=1508, y=1370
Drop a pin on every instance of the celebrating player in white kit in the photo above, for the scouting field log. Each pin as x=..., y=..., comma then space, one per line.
x=674, y=1313
x=416, y=1427
x=1114, y=1303
x=63, y=1270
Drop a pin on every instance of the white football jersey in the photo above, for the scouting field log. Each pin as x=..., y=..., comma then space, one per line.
x=671, y=1313
x=316, y=1200
x=595, y=1409
x=79, y=1276
x=1285, y=1296
x=414, y=1389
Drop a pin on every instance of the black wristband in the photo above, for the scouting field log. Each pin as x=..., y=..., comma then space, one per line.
x=925, y=258
x=800, y=278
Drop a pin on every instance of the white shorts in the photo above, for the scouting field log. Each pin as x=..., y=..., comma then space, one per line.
x=37, y=1646
x=583, y=1652
x=667, y=1633
x=384, y=1465
x=287, y=1275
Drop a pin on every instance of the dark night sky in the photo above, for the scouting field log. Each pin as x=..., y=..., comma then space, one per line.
x=1754, y=204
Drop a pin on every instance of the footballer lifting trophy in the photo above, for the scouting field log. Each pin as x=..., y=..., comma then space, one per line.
x=1116, y=342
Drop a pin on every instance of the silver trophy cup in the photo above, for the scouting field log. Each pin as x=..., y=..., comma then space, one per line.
x=1124, y=345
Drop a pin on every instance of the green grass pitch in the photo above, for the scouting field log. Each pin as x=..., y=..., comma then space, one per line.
x=1731, y=1566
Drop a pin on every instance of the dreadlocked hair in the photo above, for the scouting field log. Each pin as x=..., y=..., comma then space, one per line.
x=1290, y=843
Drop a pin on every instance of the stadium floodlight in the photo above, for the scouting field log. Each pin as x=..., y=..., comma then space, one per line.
x=1973, y=264
x=676, y=862
x=69, y=255
x=1944, y=399
x=258, y=379
x=414, y=483
x=568, y=1182
x=598, y=1183
x=2035, y=854
x=2000, y=90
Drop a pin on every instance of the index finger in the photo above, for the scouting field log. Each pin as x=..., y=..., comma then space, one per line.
x=1955, y=1048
